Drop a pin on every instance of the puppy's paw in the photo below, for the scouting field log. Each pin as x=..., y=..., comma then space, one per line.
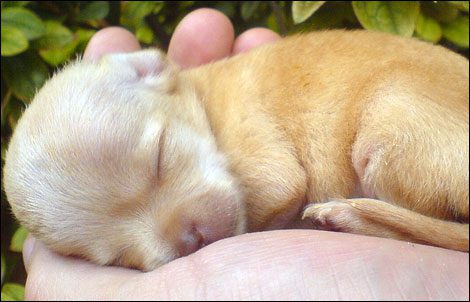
x=337, y=215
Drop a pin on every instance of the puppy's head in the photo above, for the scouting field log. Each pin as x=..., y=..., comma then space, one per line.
x=114, y=161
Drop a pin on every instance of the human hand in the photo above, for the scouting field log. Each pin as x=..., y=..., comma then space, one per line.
x=291, y=264
x=202, y=36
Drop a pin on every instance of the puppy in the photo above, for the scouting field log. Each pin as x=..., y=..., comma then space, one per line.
x=130, y=161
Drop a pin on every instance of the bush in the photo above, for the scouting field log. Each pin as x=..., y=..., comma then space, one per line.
x=40, y=36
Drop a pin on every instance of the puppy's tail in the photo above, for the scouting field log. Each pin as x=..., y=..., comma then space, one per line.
x=378, y=218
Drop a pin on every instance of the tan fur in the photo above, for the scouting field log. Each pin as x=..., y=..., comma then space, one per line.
x=133, y=162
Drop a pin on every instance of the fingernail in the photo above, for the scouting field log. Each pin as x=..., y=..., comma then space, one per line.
x=28, y=248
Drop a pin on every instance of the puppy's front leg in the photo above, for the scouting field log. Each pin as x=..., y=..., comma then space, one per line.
x=377, y=218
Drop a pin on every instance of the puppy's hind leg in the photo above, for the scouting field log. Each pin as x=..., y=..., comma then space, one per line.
x=411, y=153
x=378, y=218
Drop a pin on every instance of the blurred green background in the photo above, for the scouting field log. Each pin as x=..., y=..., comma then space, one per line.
x=40, y=36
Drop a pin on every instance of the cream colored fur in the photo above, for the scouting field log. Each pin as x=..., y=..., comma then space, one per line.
x=132, y=162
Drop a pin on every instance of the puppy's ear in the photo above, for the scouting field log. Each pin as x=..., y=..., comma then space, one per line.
x=151, y=65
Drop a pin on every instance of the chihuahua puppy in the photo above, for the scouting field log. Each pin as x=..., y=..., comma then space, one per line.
x=130, y=161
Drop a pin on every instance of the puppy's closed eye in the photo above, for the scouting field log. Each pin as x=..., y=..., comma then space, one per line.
x=161, y=154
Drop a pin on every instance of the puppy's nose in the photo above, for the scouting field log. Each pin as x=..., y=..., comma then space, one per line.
x=191, y=241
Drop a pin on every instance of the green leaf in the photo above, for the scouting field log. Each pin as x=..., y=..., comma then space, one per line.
x=161, y=4
x=24, y=20
x=4, y=154
x=144, y=34
x=184, y=4
x=57, y=56
x=248, y=9
x=11, y=113
x=6, y=297
x=228, y=8
x=24, y=74
x=332, y=16
x=134, y=12
x=457, y=31
x=461, y=5
x=428, y=29
x=13, y=41
x=14, y=117
x=388, y=16
x=16, y=244
x=13, y=291
x=440, y=10
x=56, y=36
x=93, y=11
x=24, y=3
x=271, y=23
x=3, y=257
x=302, y=10
x=83, y=36
x=6, y=105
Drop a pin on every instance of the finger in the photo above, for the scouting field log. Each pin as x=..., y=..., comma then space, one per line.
x=291, y=264
x=252, y=38
x=54, y=277
x=202, y=36
x=28, y=248
x=314, y=265
x=108, y=40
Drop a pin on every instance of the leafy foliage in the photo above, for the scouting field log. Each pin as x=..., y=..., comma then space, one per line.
x=40, y=36
x=302, y=10
x=392, y=16
x=12, y=292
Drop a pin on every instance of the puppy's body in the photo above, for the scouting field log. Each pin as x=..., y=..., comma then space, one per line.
x=388, y=116
x=323, y=118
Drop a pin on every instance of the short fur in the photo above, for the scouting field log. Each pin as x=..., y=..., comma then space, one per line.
x=130, y=161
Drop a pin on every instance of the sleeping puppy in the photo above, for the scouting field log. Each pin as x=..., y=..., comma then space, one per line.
x=132, y=162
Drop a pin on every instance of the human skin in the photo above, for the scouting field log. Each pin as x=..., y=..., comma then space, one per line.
x=289, y=264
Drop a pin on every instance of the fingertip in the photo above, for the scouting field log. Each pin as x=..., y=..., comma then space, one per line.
x=253, y=38
x=28, y=248
x=202, y=36
x=109, y=40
